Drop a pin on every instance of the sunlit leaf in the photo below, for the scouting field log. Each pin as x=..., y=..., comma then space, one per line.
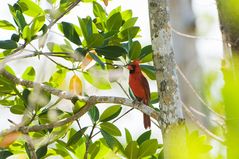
x=6, y=25
x=110, y=113
x=97, y=81
x=26, y=33
x=58, y=78
x=29, y=74
x=129, y=23
x=30, y=8
x=126, y=15
x=37, y=24
x=99, y=11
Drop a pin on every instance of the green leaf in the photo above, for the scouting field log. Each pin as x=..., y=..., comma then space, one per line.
x=128, y=136
x=135, y=50
x=115, y=10
x=111, y=52
x=94, y=114
x=57, y=78
x=30, y=8
x=70, y=33
x=149, y=71
x=99, y=11
x=76, y=137
x=94, y=149
x=6, y=25
x=17, y=109
x=97, y=81
x=98, y=60
x=126, y=15
x=114, y=22
x=154, y=97
x=41, y=152
x=110, y=113
x=95, y=40
x=129, y=23
x=146, y=54
x=15, y=37
x=128, y=33
x=110, y=140
x=5, y=154
x=29, y=74
x=78, y=105
x=110, y=128
x=9, y=69
x=26, y=33
x=132, y=150
x=143, y=137
x=8, y=44
x=37, y=24
x=84, y=28
x=147, y=148
x=20, y=20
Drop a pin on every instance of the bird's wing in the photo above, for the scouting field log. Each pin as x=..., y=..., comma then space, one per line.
x=145, y=83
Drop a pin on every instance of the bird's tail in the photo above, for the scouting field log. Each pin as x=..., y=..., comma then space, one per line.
x=147, y=122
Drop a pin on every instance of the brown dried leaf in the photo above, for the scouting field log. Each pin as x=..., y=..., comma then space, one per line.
x=8, y=139
x=106, y=2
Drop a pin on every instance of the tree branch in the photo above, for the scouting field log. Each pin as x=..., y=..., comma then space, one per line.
x=90, y=101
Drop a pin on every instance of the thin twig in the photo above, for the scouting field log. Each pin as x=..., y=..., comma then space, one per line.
x=64, y=13
x=123, y=89
x=203, y=128
x=30, y=147
x=88, y=141
x=71, y=69
x=197, y=95
x=192, y=36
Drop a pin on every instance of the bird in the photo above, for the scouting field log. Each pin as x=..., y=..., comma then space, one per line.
x=140, y=87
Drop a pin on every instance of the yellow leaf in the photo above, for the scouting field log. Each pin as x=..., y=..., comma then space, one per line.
x=75, y=85
x=8, y=139
x=106, y=2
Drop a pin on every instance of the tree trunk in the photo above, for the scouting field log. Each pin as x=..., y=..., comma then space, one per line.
x=171, y=116
x=228, y=14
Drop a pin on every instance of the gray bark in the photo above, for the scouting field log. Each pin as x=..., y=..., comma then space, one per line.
x=171, y=116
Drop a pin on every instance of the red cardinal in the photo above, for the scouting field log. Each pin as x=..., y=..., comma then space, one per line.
x=140, y=87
